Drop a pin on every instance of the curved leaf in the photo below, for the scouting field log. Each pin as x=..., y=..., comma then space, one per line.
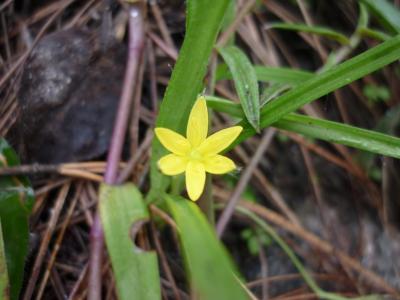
x=359, y=138
x=212, y=275
x=245, y=79
x=16, y=200
x=136, y=272
x=4, y=284
x=322, y=84
x=386, y=12
x=319, y=30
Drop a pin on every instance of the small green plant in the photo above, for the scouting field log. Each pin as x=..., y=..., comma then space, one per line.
x=376, y=93
x=255, y=239
x=182, y=145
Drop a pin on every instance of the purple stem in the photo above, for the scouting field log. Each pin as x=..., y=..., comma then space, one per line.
x=136, y=44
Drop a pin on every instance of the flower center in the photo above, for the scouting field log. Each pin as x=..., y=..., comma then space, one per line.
x=195, y=155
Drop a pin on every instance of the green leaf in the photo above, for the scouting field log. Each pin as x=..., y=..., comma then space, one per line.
x=270, y=74
x=387, y=14
x=245, y=79
x=4, y=284
x=273, y=91
x=16, y=200
x=225, y=106
x=363, y=139
x=319, y=30
x=203, y=22
x=282, y=75
x=322, y=84
x=373, y=33
x=136, y=271
x=376, y=93
x=211, y=273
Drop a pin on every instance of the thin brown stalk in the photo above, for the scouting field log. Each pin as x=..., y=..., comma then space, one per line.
x=264, y=270
x=321, y=245
x=58, y=242
x=59, y=203
x=130, y=165
x=161, y=24
x=171, y=52
x=136, y=107
x=152, y=75
x=226, y=35
x=164, y=262
x=243, y=181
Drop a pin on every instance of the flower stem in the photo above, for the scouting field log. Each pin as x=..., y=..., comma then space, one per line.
x=206, y=202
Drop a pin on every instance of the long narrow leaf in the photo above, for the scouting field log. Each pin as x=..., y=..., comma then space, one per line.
x=136, y=272
x=362, y=139
x=322, y=84
x=16, y=200
x=245, y=79
x=203, y=22
x=359, y=138
x=319, y=30
x=270, y=74
x=210, y=270
x=4, y=284
x=386, y=12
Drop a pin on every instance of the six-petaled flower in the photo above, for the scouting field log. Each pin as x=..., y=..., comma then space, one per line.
x=196, y=154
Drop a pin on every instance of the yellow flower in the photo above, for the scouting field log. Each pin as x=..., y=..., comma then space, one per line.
x=196, y=154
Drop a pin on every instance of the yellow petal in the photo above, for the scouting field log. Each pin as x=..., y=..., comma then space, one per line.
x=173, y=141
x=219, y=141
x=195, y=179
x=218, y=164
x=197, y=127
x=172, y=164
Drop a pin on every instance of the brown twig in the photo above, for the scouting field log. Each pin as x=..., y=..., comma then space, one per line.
x=164, y=262
x=46, y=240
x=243, y=181
x=130, y=165
x=238, y=19
x=264, y=269
x=59, y=239
x=319, y=244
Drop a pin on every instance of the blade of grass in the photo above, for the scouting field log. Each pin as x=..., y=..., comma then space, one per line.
x=273, y=91
x=245, y=79
x=334, y=132
x=203, y=22
x=359, y=138
x=373, y=33
x=319, y=30
x=211, y=273
x=136, y=272
x=4, y=284
x=322, y=84
x=387, y=14
x=270, y=74
x=16, y=200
